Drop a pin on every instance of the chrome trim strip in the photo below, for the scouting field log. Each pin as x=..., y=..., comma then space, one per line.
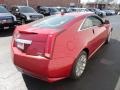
x=79, y=29
x=23, y=41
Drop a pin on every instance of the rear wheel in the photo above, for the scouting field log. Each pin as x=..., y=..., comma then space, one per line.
x=79, y=66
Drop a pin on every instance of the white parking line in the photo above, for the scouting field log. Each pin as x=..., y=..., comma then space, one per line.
x=118, y=85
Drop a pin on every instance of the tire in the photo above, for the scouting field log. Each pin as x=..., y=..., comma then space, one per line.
x=79, y=66
x=22, y=21
x=108, y=38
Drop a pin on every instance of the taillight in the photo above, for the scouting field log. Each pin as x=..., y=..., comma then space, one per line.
x=48, y=55
x=16, y=33
x=34, y=44
x=49, y=46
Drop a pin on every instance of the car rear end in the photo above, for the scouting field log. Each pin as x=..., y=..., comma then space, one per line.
x=6, y=22
x=32, y=53
x=33, y=45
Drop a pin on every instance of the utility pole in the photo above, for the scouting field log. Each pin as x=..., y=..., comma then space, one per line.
x=27, y=2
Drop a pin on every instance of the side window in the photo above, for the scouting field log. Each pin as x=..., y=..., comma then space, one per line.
x=52, y=10
x=96, y=21
x=87, y=23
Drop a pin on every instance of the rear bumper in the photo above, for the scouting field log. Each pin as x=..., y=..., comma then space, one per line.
x=40, y=67
x=34, y=75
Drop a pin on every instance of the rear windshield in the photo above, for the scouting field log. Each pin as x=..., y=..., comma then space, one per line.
x=3, y=10
x=52, y=21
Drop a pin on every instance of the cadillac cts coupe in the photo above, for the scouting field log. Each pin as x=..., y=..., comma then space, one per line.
x=58, y=46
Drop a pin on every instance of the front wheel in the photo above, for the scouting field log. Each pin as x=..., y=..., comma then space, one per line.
x=79, y=66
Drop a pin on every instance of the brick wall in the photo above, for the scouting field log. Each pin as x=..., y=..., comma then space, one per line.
x=1, y=1
x=35, y=3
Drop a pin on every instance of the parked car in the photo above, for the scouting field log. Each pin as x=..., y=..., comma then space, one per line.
x=3, y=5
x=112, y=12
x=25, y=14
x=59, y=46
x=78, y=10
x=43, y=10
x=98, y=12
x=47, y=11
x=62, y=8
x=108, y=13
x=7, y=20
x=118, y=13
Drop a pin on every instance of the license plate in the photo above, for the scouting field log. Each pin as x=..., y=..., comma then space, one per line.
x=6, y=27
x=20, y=45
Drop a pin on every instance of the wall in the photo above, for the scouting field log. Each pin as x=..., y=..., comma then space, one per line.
x=34, y=3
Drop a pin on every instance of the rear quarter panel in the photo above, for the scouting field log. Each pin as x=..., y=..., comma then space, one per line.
x=67, y=47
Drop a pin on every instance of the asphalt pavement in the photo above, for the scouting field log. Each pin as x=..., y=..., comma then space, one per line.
x=102, y=72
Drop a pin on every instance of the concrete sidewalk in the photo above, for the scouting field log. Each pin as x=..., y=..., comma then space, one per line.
x=10, y=78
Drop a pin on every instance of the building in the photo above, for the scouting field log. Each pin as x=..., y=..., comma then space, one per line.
x=35, y=3
x=1, y=1
x=101, y=4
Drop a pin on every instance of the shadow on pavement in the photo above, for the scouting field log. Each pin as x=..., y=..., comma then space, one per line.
x=6, y=33
x=102, y=73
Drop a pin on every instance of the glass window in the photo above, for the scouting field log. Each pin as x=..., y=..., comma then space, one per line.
x=52, y=21
x=96, y=21
x=3, y=10
x=88, y=23
x=92, y=21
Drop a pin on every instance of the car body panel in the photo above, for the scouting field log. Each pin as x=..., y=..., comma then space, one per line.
x=64, y=45
x=26, y=16
x=7, y=20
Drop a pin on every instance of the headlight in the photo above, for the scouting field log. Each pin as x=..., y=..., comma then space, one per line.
x=14, y=18
x=28, y=18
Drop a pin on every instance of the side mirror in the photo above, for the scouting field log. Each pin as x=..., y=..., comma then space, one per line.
x=62, y=11
x=106, y=22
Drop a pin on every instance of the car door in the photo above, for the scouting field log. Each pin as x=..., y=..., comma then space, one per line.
x=100, y=31
x=88, y=35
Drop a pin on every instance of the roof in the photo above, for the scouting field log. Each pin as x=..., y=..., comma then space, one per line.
x=20, y=6
x=78, y=14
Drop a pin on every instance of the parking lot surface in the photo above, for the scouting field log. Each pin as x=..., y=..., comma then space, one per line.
x=102, y=72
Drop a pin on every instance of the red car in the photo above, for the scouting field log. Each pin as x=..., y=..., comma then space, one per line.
x=59, y=46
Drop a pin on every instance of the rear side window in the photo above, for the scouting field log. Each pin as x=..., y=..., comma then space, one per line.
x=92, y=21
x=96, y=21
x=52, y=21
x=88, y=23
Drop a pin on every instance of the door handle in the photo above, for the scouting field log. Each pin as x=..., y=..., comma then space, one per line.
x=93, y=31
